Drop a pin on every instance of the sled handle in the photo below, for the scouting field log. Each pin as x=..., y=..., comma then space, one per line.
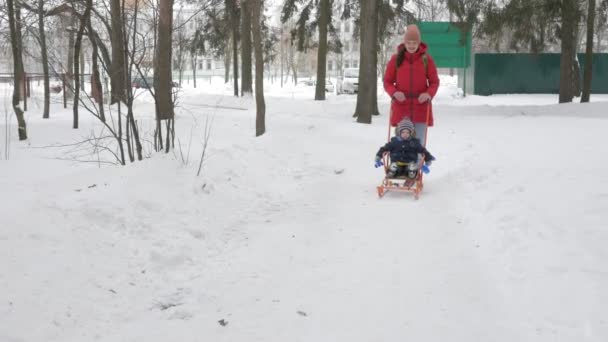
x=426, y=121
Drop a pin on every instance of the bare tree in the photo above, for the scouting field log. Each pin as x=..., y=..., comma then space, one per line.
x=182, y=45
x=227, y=57
x=281, y=54
x=196, y=46
x=164, y=100
x=77, y=73
x=134, y=61
x=95, y=77
x=193, y=63
x=246, y=63
x=569, y=13
x=602, y=23
x=40, y=37
x=588, y=52
x=69, y=69
x=45, y=59
x=260, y=120
x=94, y=102
x=324, y=17
x=232, y=12
x=118, y=67
x=293, y=62
x=18, y=73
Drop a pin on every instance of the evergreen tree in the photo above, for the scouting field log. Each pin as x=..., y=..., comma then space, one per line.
x=534, y=25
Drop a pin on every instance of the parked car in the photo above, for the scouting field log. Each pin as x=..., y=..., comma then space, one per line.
x=148, y=82
x=329, y=86
x=307, y=83
x=56, y=88
x=144, y=83
x=349, y=82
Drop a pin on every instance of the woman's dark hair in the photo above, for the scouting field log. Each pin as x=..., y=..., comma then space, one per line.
x=400, y=55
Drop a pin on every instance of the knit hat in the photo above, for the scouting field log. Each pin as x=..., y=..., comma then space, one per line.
x=404, y=124
x=412, y=33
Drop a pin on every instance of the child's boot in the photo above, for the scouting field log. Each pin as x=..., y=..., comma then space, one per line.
x=392, y=170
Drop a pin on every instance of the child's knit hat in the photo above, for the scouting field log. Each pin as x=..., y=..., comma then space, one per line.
x=404, y=124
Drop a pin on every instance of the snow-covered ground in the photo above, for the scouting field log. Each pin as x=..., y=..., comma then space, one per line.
x=283, y=238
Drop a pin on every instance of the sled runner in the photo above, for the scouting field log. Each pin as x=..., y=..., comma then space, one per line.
x=409, y=176
x=402, y=182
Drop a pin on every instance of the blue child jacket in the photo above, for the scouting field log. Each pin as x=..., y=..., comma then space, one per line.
x=404, y=150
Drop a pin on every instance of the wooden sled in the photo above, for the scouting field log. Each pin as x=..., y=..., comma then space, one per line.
x=403, y=183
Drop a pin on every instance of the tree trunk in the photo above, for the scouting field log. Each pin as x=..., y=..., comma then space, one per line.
x=97, y=93
x=19, y=26
x=45, y=60
x=246, y=63
x=181, y=41
x=82, y=69
x=598, y=37
x=77, y=73
x=227, y=63
x=164, y=58
x=194, y=69
x=70, y=66
x=366, y=96
x=260, y=120
x=587, y=75
x=118, y=67
x=577, y=88
x=17, y=68
x=374, y=82
x=234, y=24
x=281, y=57
x=95, y=76
x=325, y=11
x=293, y=65
x=132, y=128
x=578, y=77
x=566, y=79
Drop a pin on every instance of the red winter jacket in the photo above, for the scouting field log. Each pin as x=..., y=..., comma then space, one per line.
x=411, y=79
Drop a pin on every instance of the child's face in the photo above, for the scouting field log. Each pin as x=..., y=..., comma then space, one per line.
x=405, y=134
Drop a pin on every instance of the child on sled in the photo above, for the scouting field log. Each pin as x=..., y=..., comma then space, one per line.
x=405, y=151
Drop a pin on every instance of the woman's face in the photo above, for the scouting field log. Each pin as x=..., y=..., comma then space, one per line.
x=411, y=45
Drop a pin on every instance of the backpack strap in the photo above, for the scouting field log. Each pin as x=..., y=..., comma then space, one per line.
x=426, y=65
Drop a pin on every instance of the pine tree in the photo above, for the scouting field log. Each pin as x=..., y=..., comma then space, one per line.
x=532, y=27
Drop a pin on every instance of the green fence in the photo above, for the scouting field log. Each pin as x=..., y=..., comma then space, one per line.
x=447, y=44
x=517, y=73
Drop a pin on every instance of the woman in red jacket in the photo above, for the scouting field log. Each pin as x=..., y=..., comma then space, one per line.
x=411, y=81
